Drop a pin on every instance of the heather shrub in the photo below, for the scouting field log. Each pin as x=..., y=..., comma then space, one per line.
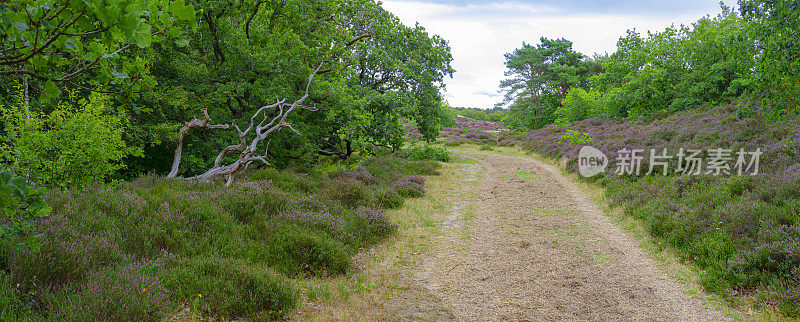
x=286, y=180
x=234, y=245
x=294, y=250
x=244, y=200
x=12, y=307
x=390, y=168
x=334, y=223
x=410, y=186
x=64, y=256
x=128, y=292
x=230, y=288
x=348, y=191
x=372, y=224
x=360, y=174
x=387, y=197
x=427, y=152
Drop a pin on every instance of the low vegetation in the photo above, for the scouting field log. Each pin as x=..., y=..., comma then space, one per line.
x=143, y=250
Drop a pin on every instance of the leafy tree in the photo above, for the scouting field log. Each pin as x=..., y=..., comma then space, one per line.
x=74, y=146
x=85, y=44
x=541, y=76
x=775, y=28
x=375, y=72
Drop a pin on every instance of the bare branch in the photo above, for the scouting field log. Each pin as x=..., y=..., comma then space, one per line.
x=205, y=123
x=247, y=151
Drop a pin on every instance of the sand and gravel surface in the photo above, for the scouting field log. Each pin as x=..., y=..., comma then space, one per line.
x=539, y=249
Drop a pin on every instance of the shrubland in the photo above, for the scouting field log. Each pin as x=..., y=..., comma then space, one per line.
x=144, y=249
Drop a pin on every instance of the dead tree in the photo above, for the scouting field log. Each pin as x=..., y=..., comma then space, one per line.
x=247, y=150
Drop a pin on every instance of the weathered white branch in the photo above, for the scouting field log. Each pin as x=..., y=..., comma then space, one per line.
x=204, y=123
x=247, y=151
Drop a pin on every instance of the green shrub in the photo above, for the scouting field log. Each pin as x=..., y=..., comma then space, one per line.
x=427, y=152
x=73, y=146
x=128, y=292
x=387, y=197
x=20, y=205
x=297, y=250
x=230, y=289
x=12, y=308
x=349, y=192
x=286, y=180
x=254, y=198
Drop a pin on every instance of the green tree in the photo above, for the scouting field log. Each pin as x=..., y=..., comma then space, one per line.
x=86, y=44
x=541, y=76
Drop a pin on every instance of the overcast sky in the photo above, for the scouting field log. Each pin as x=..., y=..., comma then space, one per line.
x=480, y=32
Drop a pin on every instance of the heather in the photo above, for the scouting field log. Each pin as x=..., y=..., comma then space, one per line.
x=146, y=249
x=473, y=131
x=740, y=231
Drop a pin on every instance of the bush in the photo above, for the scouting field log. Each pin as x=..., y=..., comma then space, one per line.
x=387, y=197
x=231, y=289
x=233, y=245
x=427, y=152
x=73, y=146
x=296, y=250
x=12, y=308
x=411, y=186
x=349, y=192
x=128, y=292
x=20, y=205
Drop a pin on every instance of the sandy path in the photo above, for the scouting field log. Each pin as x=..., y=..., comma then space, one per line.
x=534, y=247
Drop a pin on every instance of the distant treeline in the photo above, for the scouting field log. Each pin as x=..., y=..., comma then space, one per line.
x=750, y=54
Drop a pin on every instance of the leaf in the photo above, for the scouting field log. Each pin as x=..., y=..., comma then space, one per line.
x=50, y=92
x=120, y=75
x=69, y=44
x=181, y=10
x=141, y=36
x=182, y=42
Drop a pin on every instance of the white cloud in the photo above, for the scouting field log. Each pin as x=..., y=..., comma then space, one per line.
x=479, y=35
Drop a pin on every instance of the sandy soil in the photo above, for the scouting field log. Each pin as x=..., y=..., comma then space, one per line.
x=533, y=247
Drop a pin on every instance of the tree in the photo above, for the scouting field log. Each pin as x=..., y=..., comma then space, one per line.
x=541, y=76
x=376, y=71
x=775, y=29
x=50, y=45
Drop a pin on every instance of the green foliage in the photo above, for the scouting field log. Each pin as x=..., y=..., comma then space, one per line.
x=232, y=288
x=577, y=105
x=293, y=250
x=75, y=145
x=776, y=31
x=130, y=291
x=12, y=307
x=542, y=75
x=491, y=115
x=20, y=206
x=140, y=250
x=49, y=45
x=375, y=72
x=427, y=152
x=576, y=138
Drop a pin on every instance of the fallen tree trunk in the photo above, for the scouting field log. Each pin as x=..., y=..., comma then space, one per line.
x=247, y=151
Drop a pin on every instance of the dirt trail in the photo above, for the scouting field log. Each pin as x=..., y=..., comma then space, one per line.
x=531, y=246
